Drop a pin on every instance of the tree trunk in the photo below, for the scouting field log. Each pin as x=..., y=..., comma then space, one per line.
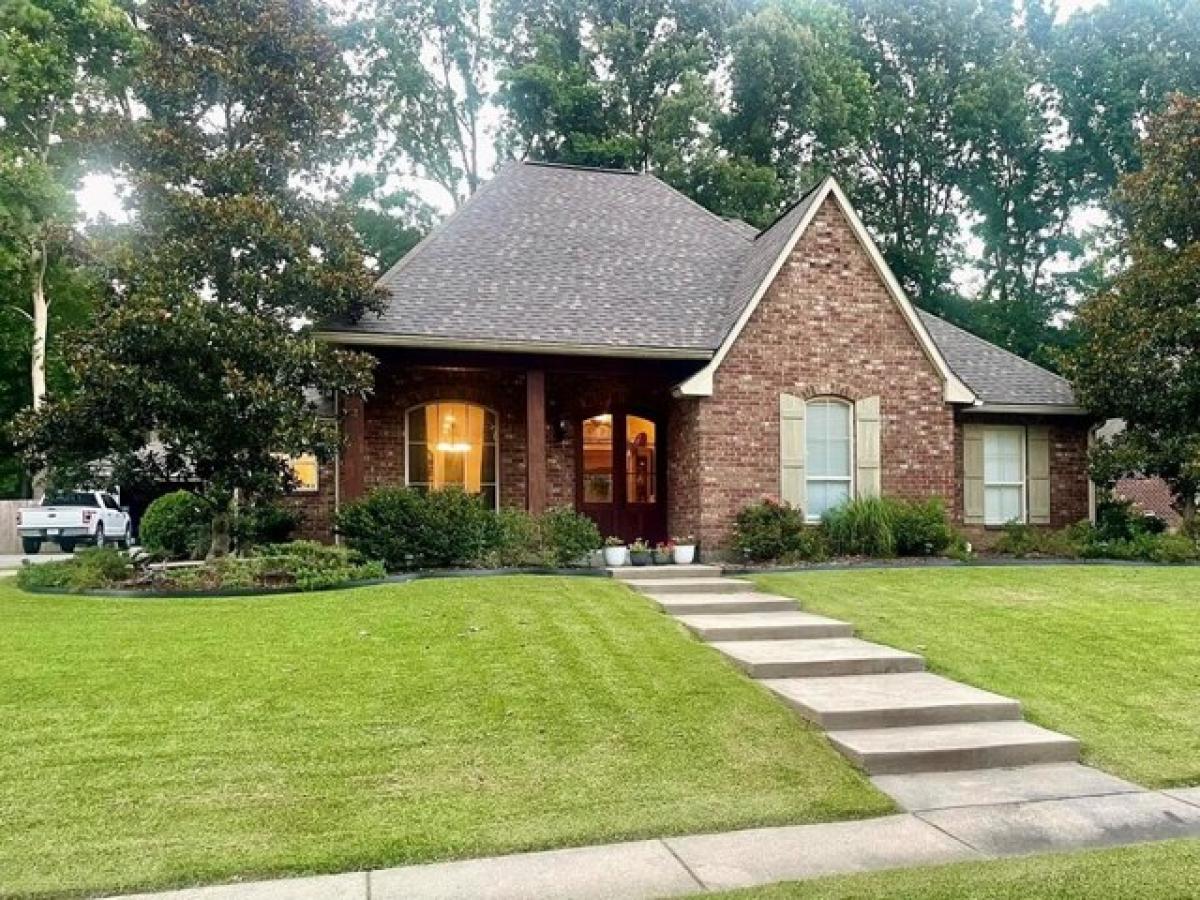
x=41, y=329
x=222, y=530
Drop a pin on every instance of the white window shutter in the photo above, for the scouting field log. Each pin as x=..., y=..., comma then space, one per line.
x=791, y=450
x=867, y=439
x=973, y=511
x=1038, y=454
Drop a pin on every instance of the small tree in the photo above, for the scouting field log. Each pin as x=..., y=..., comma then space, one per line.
x=1140, y=356
x=202, y=363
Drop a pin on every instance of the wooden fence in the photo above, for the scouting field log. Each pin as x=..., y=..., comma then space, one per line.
x=9, y=542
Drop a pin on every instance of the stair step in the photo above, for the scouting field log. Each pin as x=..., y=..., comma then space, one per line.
x=930, y=748
x=817, y=656
x=750, y=626
x=891, y=701
x=687, y=585
x=720, y=604
x=655, y=573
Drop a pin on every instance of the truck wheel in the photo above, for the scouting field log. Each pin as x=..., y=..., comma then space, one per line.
x=126, y=540
x=100, y=540
x=67, y=545
x=31, y=545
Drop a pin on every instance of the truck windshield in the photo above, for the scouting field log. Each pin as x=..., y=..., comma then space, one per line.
x=70, y=498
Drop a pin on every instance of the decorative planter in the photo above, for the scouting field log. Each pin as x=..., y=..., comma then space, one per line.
x=685, y=554
x=663, y=558
x=641, y=557
x=615, y=556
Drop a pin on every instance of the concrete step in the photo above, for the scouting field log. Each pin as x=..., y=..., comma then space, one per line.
x=646, y=573
x=720, y=604
x=891, y=701
x=934, y=748
x=688, y=585
x=751, y=626
x=816, y=657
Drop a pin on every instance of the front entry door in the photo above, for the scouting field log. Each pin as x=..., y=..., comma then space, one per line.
x=621, y=474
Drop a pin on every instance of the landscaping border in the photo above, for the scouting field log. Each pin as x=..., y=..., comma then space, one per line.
x=947, y=563
x=399, y=578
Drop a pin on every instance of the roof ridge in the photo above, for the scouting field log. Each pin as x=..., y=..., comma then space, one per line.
x=791, y=206
x=973, y=336
x=607, y=170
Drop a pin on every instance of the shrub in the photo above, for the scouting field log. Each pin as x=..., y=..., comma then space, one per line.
x=1174, y=548
x=410, y=529
x=90, y=569
x=810, y=545
x=176, y=526
x=518, y=541
x=266, y=523
x=1022, y=540
x=767, y=530
x=861, y=528
x=566, y=535
x=920, y=528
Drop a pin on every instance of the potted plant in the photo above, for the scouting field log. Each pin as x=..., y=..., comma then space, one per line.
x=664, y=554
x=685, y=550
x=614, y=552
x=640, y=553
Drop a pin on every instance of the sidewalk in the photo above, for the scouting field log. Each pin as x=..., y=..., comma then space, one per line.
x=679, y=866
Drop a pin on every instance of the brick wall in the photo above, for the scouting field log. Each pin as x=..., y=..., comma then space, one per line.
x=827, y=325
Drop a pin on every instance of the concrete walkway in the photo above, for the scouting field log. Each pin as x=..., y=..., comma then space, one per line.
x=975, y=781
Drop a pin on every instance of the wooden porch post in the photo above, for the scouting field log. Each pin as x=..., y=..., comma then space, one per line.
x=535, y=441
x=353, y=448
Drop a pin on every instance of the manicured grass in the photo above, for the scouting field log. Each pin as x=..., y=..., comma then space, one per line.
x=1108, y=654
x=148, y=743
x=1169, y=871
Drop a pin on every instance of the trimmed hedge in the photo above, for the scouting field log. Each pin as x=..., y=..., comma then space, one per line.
x=176, y=526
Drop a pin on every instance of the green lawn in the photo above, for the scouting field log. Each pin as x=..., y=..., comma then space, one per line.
x=148, y=743
x=1169, y=871
x=1109, y=654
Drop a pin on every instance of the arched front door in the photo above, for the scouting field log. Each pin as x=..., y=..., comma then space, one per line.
x=621, y=473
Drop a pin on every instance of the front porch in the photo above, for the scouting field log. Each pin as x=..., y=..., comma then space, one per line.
x=530, y=432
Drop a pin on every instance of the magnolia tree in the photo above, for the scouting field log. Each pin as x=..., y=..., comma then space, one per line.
x=1140, y=357
x=202, y=361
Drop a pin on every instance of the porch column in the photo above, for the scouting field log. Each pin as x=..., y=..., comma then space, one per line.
x=353, y=448
x=535, y=441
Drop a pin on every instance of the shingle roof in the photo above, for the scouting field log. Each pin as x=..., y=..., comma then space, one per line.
x=995, y=375
x=554, y=254
x=612, y=260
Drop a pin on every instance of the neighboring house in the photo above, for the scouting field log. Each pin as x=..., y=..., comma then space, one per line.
x=1150, y=496
x=595, y=339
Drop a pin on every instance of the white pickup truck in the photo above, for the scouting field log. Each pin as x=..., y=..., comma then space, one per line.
x=71, y=518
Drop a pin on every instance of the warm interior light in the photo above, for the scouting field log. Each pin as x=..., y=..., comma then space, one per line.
x=452, y=447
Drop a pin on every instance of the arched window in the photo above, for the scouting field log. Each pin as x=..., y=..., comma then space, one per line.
x=828, y=454
x=451, y=443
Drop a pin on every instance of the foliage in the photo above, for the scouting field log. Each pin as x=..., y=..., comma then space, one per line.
x=567, y=536
x=920, y=527
x=1139, y=359
x=201, y=366
x=88, y=569
x=1118, y=534
x=861, y=527
x=767, y=530
x=266, y=523
x=810, y=545
x=176, y=526
x=412, y=529
x=1022, y=540
x=558, y=537
x=303, y=565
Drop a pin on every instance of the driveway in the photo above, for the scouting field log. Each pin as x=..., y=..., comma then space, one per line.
x=12, y=561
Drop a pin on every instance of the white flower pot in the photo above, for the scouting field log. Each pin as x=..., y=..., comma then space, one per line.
x=685, y=554
x=616, y=556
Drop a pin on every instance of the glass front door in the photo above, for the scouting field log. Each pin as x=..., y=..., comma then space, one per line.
x=621, y=475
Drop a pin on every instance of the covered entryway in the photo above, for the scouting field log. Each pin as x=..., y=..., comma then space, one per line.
x=621, y=471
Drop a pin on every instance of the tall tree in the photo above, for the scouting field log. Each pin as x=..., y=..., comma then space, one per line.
x=61, y=63
x=199, y=366
x=599, y=81
x=1140, y=355
x=428, y=67
x=1114, y=65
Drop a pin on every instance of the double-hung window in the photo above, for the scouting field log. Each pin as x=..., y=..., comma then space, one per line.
x=829, y=455
x=1003, y=475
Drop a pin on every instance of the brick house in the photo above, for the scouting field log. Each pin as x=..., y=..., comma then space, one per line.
x=594, y=339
